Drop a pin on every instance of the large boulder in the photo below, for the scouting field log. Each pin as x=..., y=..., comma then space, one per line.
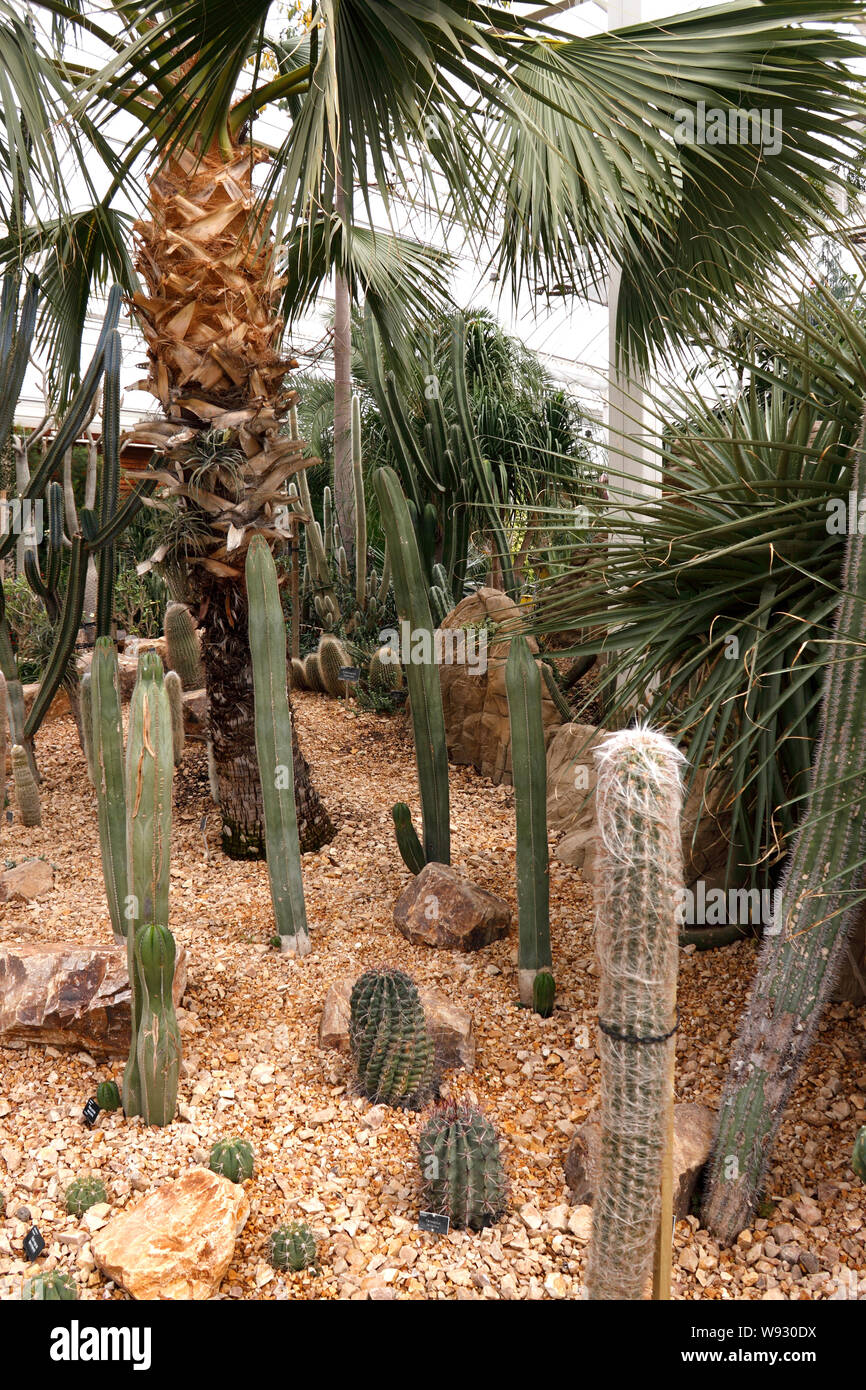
x=178, y=1242
x=29, y=880
x=438, y=908
x=74, y=994
x=571, y=818
x=451, y=1028
x=477, y=729
x=694, y=1128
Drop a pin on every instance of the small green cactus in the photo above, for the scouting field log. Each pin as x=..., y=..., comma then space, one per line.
x=183, y=647
x=384, y=672
x=108, y=1096
x=858, y=1157
x=410, y=847
x=232, y=1159
x=292, y=1247
x=390, y=1044
x=543, y=993
x=52, y=1287
x=83, y=1193
x=332, y=655
x=174, y=691
x=461, y=1167
x=26, y=789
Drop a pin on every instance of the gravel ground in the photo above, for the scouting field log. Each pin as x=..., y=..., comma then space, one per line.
x=252, y=1066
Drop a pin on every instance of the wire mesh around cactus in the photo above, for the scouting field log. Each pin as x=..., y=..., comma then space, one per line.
x=391, y=1046
x=461, y=1166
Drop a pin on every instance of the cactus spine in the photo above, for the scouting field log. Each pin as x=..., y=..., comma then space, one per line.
x=425, y=692
x=109, y=780
x=183, y=647
x=639, y=798
x=149, y=773
x=461, y=1168
x=26, y=790
x=388, y=1036
x=174, y=691
x=819, y=903
x=529, y=773
x=158, y=1041
x=274, y=748
x=332, y=655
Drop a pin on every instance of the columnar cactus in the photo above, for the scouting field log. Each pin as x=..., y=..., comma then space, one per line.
x=158, y=1041
x=174, y=691
x=361, y=594
x=292, y=1247
x=83, y=1193
x=274, y=749
x=529, y=773
x=109, y=779
x=638, y=897
x=183, y=646
x=425, y=692
x=819, y=904
x=3, y=719
x=149, y=774
x=313, y=674
x=53, y=1287
x=388, y=1036
x=411, y=851
x=86, y=712
x=332, y=655
x=26, y=789
x=461, y=1167
x=232, y=1159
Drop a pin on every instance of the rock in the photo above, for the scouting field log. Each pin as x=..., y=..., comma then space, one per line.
x=531, y=1216
x=440, y=909
x=31, y=879
x=195, y=715
x=452, y=1028
x=580, y=1223
x=571, y=782
x=474, y=702
x=178, y=1241
x=73, y=994
x=58, y=709
x=694, y=1129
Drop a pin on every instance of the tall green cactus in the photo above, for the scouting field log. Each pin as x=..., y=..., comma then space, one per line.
x=174, y=691
x=819, y=903
x=106, y=736
x=3, y=719
x=360, y=508
x=529, y=774
x=274, y=748
x=639, y=893
x=149, y=774
x=158, y=1048
x=425, y=692
x=26, y=788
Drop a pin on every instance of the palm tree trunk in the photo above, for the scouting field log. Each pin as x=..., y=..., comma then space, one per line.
x=344, y=490
x=229, y=676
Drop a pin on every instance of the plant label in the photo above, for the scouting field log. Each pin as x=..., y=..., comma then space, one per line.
x=436, y=1224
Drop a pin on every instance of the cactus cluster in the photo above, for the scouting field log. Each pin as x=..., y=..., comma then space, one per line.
x=273, y=723
x=390, y=1043
x=83, y=1193
x=292, y=1247
x=232, y=1159
x=461, y=1166
x=53, y=1287
x=183, y=646
x=638, y=799
x=529, y=773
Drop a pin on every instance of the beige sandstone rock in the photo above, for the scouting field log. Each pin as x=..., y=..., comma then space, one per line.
x=452, y=1029
x=74, y=994
x=438, y=908
x=477, y=729
x=34, y=878
x=694, y=1128
x=178, y=1241
x=195, y=715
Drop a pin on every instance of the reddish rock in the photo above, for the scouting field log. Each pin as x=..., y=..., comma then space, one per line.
x=31, y=879
x=74, y=994
x=438, y=908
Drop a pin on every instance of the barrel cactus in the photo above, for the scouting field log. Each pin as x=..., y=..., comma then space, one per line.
x=53, y=1287
x=858, y=1157
x=292, y=1247
x=390, y=1043
x=183, y=646
x=108, y=1096
x=158, y=1046
x=26, y=789
x=297, y=675
x=332, y=656
x=83, y=1193
x=461, y=1166
x=232, y=1159
x=384, y=671
x=312, y=674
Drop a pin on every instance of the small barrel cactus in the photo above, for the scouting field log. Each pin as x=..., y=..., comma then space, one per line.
x=83, y=1193
x=332, y=656
x=108, y=1096
x=858, y=1157
x=384, y=672
x=183, y=647
x=312, y=674
x=52, y=1287
x=292, y=1247
x=390, y=1043
x=461, y=1167
x=232, y=1159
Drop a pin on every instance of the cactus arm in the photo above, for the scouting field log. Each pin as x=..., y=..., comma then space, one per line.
x=64, y=641
x=26, y=788
x=408, y=843
x=109, y=779
x=360, y=508
x=820, y=897
x=110, y=482
x=274, y=748
x=529, y=774
x=174, y=691
x=158, y=1043
x=385, y=582
x=431, y=754
x=556, y=694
